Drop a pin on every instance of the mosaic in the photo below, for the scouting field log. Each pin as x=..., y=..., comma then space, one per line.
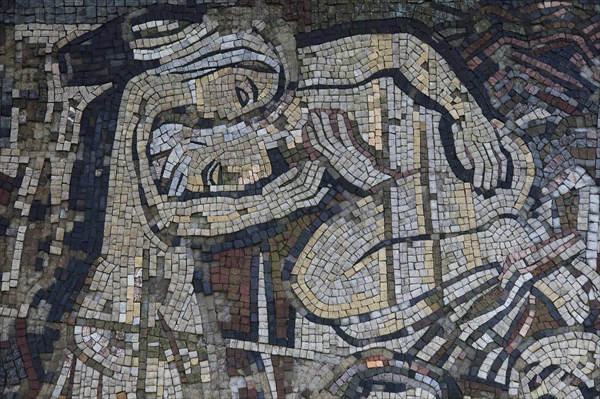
x=299, y=199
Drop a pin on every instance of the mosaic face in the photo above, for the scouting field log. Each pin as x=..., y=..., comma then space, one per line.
x=348, y=212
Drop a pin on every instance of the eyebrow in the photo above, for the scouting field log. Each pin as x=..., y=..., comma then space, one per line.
x=256, y=66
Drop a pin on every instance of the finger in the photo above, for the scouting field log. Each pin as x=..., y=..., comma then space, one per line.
x=314, y=118
x=323, y=135
x=316, y=170
x=179, y=181
x=491, y=166
x=308, y=182
x=502, y=160
x=313, y=139
x=315, y=198
x=172, y=161
x=276, y=184
x=317, y=123
x=459, y=147
x=326, y=128
x=343, y=130
x=485, y=166
x=315, y=132
x=490, y=172
x=301, y=184
x=478, y=170
x=164, y=137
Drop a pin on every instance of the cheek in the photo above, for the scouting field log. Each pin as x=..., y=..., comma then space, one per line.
x=217, y=99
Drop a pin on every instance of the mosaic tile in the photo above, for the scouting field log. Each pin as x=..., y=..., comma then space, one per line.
x=299, y=199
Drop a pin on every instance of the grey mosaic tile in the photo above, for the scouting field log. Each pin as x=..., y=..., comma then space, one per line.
x=299, y=199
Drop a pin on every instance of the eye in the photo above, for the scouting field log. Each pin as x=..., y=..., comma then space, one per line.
x=243, y=95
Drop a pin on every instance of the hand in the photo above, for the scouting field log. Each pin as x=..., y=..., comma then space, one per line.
x=478, y=147
x=330, y=134
x=295, y=189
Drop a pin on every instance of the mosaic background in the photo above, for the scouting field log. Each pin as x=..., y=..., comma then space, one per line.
x=299, y=199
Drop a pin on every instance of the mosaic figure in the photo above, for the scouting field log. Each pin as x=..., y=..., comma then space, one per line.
x=254, y=209
x=432, y=215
